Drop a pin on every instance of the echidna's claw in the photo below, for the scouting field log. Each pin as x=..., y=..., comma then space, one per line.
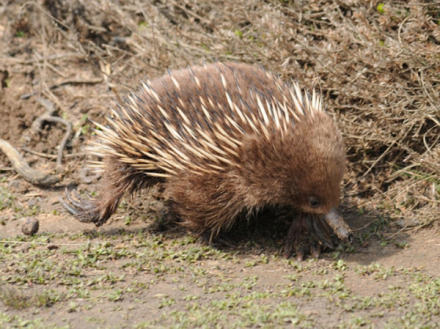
x=78, y=197
x=287, y=249
x=79, y=203
x=320, y=231
x=83, y=210
x=315, y=250
x=70, y=209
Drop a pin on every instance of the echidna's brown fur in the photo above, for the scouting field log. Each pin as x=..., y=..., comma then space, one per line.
x=225, y=139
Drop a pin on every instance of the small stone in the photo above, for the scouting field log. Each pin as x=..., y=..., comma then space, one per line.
x=52, y=246
x=31, y=226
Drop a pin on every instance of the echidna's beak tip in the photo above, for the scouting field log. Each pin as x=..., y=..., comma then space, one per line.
x=337, y=223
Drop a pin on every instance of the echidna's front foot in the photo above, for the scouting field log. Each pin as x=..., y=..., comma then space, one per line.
x=302, y=247
x=83, y=210
x=307, y=235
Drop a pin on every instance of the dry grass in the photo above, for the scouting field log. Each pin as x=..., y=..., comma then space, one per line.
x=378, y=66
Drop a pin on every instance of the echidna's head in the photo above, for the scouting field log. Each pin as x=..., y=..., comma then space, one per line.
x=302, y=169
x=316, y=161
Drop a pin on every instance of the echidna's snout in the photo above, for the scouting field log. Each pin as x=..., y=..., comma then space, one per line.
x=338, y=225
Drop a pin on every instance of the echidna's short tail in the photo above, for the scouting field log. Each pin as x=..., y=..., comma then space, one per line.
x=89, y=211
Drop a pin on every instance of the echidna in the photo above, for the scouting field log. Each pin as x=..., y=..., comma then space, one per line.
x=224, y=139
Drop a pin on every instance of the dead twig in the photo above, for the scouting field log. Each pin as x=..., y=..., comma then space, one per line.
x=32, y=176
x=64, y=83
x=51, y=156
x=49, y=117
x=39, y=60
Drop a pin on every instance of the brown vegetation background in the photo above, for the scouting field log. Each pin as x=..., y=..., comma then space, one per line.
x=376, y=64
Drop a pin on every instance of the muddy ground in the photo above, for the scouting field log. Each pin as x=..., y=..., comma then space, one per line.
x=377, y=66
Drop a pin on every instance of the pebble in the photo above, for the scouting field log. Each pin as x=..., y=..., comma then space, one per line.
x=30, y=226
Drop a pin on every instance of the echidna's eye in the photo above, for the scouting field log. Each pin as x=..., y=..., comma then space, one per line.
x=314, y=202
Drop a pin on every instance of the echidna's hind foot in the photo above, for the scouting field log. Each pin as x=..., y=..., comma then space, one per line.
x=216, y=241
x=88, y=211
x=307, y=234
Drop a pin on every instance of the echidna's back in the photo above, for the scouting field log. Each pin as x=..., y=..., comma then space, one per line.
x=195, y=119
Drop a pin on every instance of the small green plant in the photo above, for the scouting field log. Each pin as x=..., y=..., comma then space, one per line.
x=20, y=34
x=13, y=298
x=142, y=24
x=6, y=199
x=381, y=8
x=18, y=299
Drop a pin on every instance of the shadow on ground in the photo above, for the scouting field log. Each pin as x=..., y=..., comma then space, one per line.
x=375, y=238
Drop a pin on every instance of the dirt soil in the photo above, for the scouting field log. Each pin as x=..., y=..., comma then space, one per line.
x=378, y=68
